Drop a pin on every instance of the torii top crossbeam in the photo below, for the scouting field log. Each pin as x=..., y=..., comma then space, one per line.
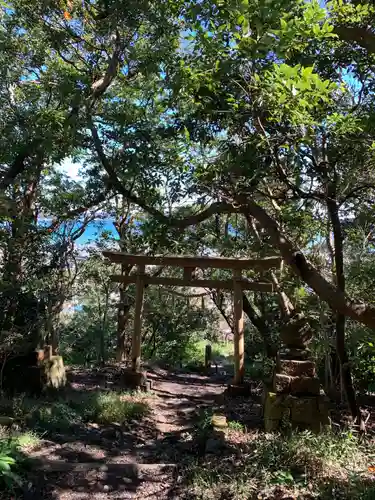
x=192, y=262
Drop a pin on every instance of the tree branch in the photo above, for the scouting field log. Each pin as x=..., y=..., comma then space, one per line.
x=100, y=86
x=293, y=256
x=362, y=36
x=356, y=190
x=114, y=181
x=18, y=165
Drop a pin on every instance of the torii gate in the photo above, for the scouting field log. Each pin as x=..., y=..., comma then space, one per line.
x=238, y=283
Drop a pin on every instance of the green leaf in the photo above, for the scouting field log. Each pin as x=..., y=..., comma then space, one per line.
x=187, y=134
x=4, y=466
x=241, y=19
x=316, y=29
x=306, y=72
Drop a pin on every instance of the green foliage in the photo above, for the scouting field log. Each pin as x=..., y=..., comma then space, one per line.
x=296, y=94
x=236, y=426
x=13, y=462
x=8, y=465
x=51, y=417
x=64, y=415
x=111, y=407
x=302, y=462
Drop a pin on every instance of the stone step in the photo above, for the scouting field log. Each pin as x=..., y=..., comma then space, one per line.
x=130, y=470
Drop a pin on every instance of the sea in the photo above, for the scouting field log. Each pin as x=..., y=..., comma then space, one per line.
x=94, y=231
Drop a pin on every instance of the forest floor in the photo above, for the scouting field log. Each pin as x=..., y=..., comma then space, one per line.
x=137, y=460
x=164, y=450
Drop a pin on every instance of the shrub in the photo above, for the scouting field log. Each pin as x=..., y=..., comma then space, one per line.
x=108, y=407
x=13, y=461
x=53, y=416
x=112, y=408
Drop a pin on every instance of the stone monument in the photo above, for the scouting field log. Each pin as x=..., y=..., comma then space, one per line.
x=295, y=399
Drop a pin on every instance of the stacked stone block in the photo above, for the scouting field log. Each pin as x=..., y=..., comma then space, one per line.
x=295, y=399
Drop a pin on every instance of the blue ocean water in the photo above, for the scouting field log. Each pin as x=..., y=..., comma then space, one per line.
x=95, y=230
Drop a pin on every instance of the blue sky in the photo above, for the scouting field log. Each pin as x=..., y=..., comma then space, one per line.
x=71, y=169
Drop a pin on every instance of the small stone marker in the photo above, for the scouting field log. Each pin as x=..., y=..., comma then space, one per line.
x=219, y=421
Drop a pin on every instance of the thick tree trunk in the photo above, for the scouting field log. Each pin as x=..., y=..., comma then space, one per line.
x=302, y=267
x=347, y=380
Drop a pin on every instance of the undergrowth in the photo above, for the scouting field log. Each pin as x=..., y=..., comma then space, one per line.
x=48, y=415
x=13, y=461
x=302, y=465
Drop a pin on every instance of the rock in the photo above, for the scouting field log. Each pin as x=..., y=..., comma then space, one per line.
x=219, y=421
x=297, y=368
x=234, y=390
x=294, y=353
x=297, y=333
x=54, y=372
x=273, y=406
x=282, y=383
x=304, y=409
x=135, y=380
x=302, y=412
x=6, y=421
x=305, y=385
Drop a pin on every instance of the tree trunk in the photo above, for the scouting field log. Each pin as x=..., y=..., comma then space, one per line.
x=103, y=354
x=293, y=256
x=261, y=325
x=51, y=330
x=286, y=305
x=338, y=241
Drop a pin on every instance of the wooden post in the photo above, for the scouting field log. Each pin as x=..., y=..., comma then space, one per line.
x=207, y=356
x=239, y=345
x=136, y=342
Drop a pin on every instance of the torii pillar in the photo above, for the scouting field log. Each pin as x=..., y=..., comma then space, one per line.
x=138, y=313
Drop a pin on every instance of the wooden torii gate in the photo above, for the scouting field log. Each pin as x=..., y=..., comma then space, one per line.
x=238, y=283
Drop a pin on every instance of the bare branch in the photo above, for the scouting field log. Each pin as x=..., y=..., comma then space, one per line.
x=100, y=86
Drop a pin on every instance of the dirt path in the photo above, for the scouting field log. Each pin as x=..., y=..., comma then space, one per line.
x=140, y=464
